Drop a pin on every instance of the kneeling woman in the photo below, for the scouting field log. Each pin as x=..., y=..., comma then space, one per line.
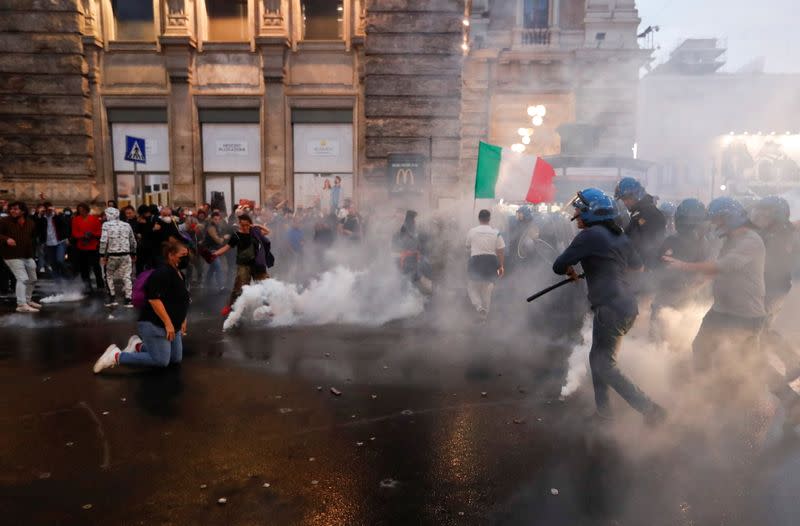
x=161, y=321
x=606, y=255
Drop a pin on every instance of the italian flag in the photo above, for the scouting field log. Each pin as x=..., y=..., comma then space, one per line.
x=515, y=177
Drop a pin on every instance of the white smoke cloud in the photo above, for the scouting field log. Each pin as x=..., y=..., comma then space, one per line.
x=370, y=297
x=63, y=298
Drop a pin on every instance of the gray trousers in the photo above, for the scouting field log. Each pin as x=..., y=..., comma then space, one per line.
x=24, y=271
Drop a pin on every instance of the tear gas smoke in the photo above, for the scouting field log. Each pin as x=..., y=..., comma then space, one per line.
x=653, y=359
x=370, y=297
x=63, y=298
x=578, y=360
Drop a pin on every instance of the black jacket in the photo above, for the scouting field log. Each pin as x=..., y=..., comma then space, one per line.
x=61, y=224
x=647, y=230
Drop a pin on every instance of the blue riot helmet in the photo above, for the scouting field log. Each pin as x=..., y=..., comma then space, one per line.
x=628, y=187
x=594, y=206
x=772, y=210
x=667, y=208
x=526, y=212
x=727, y=214
x=690, y=214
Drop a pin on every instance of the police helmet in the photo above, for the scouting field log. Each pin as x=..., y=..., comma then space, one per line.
x=526, y=211
x=731, y=211
x=628, y=187
x=667, y=208
x=775, y=207
x=594, y=206
x=689, y=214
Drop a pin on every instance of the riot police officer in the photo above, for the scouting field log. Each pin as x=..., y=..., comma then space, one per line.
x=647, y=227
x=729, y=335
x=606, y=256
x=689, y=243
x=771, y=217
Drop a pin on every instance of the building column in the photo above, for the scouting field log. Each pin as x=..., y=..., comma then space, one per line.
x=178, y=45
x=92, y=47
x=273, y=43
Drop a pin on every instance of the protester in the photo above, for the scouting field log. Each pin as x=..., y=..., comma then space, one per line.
x=129, y=215
x=146, y=244
x=606, y=256
x=252, y=251
x=162, y=321
x=17, y=238
x=486, y=263
x=729, y=334
x=117, y=248
x=647, y=227
x=166, y=228
x=213, y=241
x=351, y=227
x=53, y=231
x=86, y=234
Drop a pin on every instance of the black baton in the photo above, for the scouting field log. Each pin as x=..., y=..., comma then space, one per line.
x=551, y=288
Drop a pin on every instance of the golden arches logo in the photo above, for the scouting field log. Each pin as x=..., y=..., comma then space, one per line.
x=405, y=175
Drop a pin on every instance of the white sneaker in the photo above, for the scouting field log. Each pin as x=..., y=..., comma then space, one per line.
x=133, y=341
x=37, y=306
x=108, y=359
x=27, y=309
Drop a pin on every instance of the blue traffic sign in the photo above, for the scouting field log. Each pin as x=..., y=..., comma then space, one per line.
x=135, y=150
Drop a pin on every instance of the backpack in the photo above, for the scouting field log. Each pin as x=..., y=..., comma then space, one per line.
x=139, y=296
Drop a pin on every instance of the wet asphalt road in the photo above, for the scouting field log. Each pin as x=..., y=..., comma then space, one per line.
x=412, y=439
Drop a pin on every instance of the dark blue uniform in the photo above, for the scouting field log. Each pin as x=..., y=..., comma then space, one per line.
x=606, y=259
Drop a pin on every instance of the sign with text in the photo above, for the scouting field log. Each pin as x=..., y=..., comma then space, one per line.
x=231, y=147
x=407, y=174
x=323, y=148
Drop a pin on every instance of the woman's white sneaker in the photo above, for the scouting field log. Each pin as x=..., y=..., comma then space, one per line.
x=27, y=309
x=108, y=359
x=133, y=341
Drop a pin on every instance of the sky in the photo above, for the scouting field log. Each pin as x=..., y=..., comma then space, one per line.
x=749, y=29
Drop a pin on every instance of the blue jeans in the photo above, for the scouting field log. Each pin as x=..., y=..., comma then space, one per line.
x=54, y=257
x=610, y=325
x=214, y=277
x=156, y=350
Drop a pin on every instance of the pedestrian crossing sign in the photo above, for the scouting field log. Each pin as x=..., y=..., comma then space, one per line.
x=135, y=150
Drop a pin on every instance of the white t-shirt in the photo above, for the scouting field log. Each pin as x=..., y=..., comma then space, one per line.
x=484, y=240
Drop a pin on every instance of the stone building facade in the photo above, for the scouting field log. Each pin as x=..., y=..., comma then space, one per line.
x=271, y=100
x=580, y=59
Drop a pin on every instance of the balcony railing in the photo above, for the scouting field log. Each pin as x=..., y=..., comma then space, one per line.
x=535, y=37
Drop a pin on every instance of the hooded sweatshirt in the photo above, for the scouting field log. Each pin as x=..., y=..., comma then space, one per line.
x=117, y=238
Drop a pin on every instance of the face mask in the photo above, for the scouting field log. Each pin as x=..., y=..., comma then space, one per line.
x=183, y=262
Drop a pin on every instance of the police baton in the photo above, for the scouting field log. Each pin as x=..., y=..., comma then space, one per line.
x=551, y=288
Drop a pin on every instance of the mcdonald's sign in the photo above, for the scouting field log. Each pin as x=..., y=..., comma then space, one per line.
x=406, y=174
